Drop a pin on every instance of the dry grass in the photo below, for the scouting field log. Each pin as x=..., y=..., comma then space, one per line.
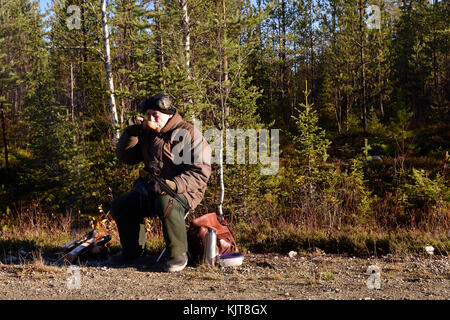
x=354, y=240
x=29, y=229
x=32, y=268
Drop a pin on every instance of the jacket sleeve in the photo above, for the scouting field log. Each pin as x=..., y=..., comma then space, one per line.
x=195, y=175
x=128, y=149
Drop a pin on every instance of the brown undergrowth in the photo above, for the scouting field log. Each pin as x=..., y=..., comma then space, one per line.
x=351, y=240
x=38, y=233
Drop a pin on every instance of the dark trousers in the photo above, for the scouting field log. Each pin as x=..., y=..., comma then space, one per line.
x=129, y=211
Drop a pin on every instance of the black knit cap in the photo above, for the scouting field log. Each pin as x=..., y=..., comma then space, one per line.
x=159, y=102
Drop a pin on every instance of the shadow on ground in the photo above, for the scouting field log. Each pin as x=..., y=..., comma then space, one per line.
x=23, y=252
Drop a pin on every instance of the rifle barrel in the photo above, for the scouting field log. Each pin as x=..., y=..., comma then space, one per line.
x=154, y=173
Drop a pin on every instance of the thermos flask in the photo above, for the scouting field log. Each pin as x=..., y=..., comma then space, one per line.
x=210, y=253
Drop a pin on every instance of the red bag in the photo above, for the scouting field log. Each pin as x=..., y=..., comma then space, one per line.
x=198, y=230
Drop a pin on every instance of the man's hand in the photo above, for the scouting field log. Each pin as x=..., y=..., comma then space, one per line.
x=170, y=183
x=148, y=125
x=135, y=124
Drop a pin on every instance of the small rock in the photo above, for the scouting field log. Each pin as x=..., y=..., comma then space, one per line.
x=429, y=250
x=292, y=254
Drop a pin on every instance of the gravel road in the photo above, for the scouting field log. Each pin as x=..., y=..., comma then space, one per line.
x=260, y=277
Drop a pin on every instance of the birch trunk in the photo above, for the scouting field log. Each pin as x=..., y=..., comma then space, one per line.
x=161, y=43
x=109, y=75
x=225, y=59
x=222, y=185
x=186, y=36
x=224, y=111
x=187, y=45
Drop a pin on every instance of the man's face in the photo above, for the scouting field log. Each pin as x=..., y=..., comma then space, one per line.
x=158, y=117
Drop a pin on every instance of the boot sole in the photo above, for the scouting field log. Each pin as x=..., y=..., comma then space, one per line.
x=176, y=268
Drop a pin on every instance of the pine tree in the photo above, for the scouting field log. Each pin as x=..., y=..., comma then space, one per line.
x=419, y=58
x=22, y=59
x=310, y=141
x=310, y=166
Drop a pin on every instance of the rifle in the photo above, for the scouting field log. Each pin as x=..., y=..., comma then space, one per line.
x=154, y=174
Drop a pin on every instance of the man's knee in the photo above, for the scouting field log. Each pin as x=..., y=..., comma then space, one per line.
x=115, y=208
x=166, y=205
x=123, y=204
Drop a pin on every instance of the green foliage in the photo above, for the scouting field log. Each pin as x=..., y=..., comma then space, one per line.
x=366, y=150
x=399, y=127
x=374, y=125
x=311, y=143
x=359, y=184
x=402, y=137
x=328, y=194
x=352, y=123
x=436, y=190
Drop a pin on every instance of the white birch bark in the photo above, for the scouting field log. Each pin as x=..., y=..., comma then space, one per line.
x=187, y=44
x=186, y=36
x=161, y=43
x=222, y=185
x=223, y=105
x=109, y=75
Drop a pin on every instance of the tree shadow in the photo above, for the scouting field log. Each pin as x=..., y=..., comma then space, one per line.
x=20, y=251
x=24, y=251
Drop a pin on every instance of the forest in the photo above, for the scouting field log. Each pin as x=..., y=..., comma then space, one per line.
x=358, y=91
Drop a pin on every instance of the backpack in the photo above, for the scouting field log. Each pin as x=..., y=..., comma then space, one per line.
x=198, y=230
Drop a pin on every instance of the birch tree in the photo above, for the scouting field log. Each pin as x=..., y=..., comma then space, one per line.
x=109, y=75
x=186, y=36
